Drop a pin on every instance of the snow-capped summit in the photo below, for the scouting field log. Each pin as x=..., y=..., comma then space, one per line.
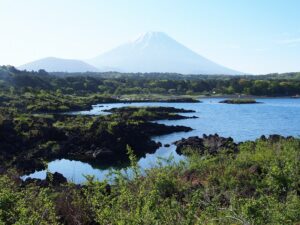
x=151, y=37
x=157, y=52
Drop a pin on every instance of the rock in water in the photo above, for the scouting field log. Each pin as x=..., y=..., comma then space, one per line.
x=211, y=144
x=56, y=179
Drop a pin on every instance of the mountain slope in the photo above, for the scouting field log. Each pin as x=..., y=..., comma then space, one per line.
x=157, y=52
x=52, y=64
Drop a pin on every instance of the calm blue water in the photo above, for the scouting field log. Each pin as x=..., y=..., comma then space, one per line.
x=242, y=122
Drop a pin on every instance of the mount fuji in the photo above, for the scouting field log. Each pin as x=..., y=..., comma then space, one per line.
x=157, y=52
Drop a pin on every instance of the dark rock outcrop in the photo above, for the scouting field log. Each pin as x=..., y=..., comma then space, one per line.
x=26, y=143
x=273, y=138
x=2, y=170
x=52, y=179
x=212, y=144
x=55, y=179
x=110, y=147
x=151, y=113
x=149, y=109
x=99, y=152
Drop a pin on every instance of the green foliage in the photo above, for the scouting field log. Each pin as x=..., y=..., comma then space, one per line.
x=32, y=205
x=258, y=185
x=222, y=189
x=142, y=113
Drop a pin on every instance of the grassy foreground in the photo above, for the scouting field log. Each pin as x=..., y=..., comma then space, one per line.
x=258, y=185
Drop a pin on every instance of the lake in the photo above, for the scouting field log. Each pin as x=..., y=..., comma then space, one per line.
x=241, y=122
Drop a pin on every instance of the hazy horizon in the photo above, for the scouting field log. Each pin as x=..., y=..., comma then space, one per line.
x=255, y=36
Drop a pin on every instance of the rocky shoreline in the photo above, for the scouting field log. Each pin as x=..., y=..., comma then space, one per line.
x=213, y=144
x=205, y=145
x=31, y=140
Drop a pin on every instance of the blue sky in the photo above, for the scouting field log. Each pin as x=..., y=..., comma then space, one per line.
x=253, y=36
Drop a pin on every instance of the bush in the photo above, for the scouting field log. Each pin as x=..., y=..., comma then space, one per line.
x=257, y=185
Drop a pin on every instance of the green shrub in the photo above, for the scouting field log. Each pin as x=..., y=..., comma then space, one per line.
x=257, y=185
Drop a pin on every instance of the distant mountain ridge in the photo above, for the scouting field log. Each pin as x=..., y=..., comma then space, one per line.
x=152, y=52
x=52, y=64
x=157, y=52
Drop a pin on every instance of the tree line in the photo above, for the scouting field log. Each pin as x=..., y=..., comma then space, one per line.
x=152, y=83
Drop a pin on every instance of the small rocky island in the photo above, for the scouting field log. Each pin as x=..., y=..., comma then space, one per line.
x=240, y=101
x=152, y=113
x=211, y=144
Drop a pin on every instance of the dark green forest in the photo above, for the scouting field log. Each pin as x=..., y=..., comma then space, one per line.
x=174, y=84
